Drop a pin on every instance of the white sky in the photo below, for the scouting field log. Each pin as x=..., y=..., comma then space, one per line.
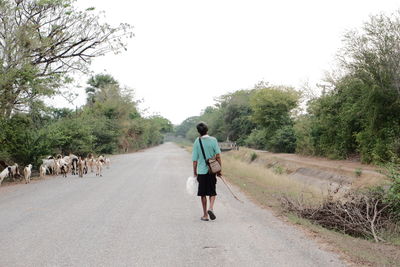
x=186, y=53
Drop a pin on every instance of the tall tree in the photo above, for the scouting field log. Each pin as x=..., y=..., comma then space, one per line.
x=41, y=41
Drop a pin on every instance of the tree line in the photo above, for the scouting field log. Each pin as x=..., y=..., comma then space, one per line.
x=356, y=115
x=42, y=43
x=108, y=123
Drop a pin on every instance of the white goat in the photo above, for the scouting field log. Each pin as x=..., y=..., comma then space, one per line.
x=42, y=171
x=58, y=168
x=14, y=171
x=4, y=174
x=108, y=163
x=28, y=173
x=50, y=165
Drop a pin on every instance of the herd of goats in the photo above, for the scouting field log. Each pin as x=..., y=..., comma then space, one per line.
x=60, y=165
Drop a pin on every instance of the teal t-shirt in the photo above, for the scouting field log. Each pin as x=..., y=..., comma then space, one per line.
x=211, y=148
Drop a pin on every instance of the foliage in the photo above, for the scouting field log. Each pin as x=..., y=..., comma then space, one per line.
x=183, y=128
x=41, y=42
x=236, y=114
x=272, y=106
x=361, y=114
x=259, y=118
x=393, y=194
x=109, y=124
x=253, y=156
x=257, y=139
x=357, y=115
x=284, y=140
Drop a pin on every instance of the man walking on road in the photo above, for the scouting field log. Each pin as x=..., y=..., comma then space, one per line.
x=206, y=179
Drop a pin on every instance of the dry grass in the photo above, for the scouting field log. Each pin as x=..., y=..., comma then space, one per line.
x=264, y=180
x=265, y=187
x=258, y=178
x=358, y=174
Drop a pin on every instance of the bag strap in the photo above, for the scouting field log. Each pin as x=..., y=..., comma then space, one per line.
x=202, y=150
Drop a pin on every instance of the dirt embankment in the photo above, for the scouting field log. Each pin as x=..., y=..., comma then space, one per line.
x=318, y=172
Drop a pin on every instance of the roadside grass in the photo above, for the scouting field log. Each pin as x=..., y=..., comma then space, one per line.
x=361, y=176
x=265, y=186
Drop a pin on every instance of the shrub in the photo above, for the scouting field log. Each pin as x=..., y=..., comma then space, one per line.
x=257, y=139
x=278, y=169
x=284, y=140
x=393, y=194
x=253, y=156
x=358, y=172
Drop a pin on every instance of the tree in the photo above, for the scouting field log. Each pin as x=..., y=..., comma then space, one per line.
x=163, y=124
x=373, y=53
x=189, y=123
x=41, y=41
x=98, y=82
x=361, y=113
x=272, y=113
x=272, y=106
x=237, y=112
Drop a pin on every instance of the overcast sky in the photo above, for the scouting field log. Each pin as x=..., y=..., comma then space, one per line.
x=185, y=53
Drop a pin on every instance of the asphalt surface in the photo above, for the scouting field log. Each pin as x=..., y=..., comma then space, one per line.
x=138, y=214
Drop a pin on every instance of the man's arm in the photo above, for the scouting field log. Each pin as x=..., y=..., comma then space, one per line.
x=195, y=168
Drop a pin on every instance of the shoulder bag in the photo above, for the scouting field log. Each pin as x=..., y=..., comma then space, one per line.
x=212, y=163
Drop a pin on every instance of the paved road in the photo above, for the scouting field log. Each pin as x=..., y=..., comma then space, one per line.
x=138, y=214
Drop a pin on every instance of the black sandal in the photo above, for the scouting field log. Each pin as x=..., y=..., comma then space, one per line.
x=212, y=215
x=204, y=219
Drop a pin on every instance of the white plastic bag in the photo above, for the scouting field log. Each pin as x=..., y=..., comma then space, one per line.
x=192, y=185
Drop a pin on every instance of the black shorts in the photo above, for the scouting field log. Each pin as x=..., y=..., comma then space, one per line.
x=207, y=184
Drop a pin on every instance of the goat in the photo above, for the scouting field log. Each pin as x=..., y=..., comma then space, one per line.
x=27, y=173
x=99, y=167
x=80, y=166
x=90, y=161
x=63, y=165
x=42, y=171
x=107, y=163
x=74, y=164
x=58, y=168
x=4, y=174
x=67, y=159
x=64, y=170
x=14, y=171
x=50, y=165
x=85, y=167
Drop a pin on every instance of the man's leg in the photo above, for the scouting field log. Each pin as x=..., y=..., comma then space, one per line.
x=204, y=203
x=212, y=200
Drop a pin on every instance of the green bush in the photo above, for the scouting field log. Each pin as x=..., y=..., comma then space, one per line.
x=257, y=139
x=393, y=194
x=284, y=140
x=253, y=156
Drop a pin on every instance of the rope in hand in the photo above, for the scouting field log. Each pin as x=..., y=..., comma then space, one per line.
x=222, y=178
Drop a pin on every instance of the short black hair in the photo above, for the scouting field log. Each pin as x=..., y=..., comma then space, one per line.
x=202, y=128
